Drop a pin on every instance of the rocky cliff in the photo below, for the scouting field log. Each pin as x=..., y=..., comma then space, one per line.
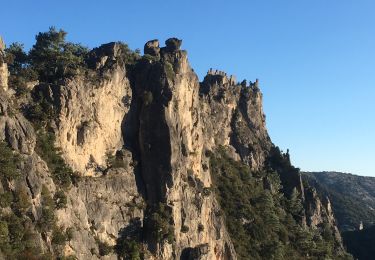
x=114, y=160
x=3, y=67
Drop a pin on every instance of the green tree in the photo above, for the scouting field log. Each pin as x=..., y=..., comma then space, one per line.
x=295, y=204
x=45, y=147
x=8, y=163
x=60, y=199
x=158, y=221
x=17, y=58
x=53, y=58
x=19, y=67
x=22, y=200
x=4, y=236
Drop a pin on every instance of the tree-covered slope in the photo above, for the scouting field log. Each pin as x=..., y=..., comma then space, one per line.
x=352, y=197
x=262, y=221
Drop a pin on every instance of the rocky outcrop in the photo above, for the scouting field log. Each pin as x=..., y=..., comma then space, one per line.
x=162, y=123
x=233, y=116
x=14, y=128
x=152, y=48
x=173, y=154
x=99, y=210
x=173, y=44
x=91, y=112
x=3, y=67
x=319, y=214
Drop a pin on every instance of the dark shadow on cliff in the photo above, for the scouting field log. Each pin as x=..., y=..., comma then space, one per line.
x=130, y=130
x=128, y=243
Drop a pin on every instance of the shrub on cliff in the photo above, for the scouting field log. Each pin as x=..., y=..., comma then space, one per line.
x=114, y=161
x=129, y=56
x=158, y=223
x=128, y=244
x=169, y=71
x=8, y=163
x=60, y=199
x=61, y=172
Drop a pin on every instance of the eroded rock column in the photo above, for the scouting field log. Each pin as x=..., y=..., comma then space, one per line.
x=3, y=67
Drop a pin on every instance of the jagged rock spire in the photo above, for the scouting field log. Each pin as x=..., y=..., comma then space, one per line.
x=3, y=67
x=2, y=44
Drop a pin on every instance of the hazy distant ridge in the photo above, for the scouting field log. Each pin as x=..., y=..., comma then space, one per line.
x=352, y=197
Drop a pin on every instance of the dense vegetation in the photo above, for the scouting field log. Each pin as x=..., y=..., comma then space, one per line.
x=262, y=222
x=360, y=243
x=352, y=197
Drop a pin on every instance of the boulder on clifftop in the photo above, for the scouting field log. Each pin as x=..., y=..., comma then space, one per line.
x=173, y=44
x=152, y=48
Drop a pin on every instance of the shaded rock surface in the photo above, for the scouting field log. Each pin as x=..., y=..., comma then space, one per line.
x=152, y=48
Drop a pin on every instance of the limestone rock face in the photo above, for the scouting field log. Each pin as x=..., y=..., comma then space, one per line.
x=105, y=56
x=90, y=115
x=3, y=67
x=172, y=157
x=233, y=116
x=99, y=209
x=14, y=128
x=90, y=120
x=2, y=44
x=319, y=212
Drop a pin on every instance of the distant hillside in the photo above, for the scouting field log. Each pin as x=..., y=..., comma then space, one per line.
x=360, y=243
x=352, y=197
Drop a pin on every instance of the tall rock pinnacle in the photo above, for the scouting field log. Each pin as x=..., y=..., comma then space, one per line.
x=3, y=67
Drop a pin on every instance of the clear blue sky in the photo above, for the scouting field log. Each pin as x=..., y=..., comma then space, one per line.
x=315, y=59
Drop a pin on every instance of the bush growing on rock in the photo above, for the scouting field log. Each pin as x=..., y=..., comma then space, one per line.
x=114, y=161
x=61, y=173
x=129, y=243
x=104, y=248
x=184, y=229
x=128, y=249
x=158, y=222
x=168, y=67
x=8, y=163
x=47, y=220
x=22, y=201
x=60, y=199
